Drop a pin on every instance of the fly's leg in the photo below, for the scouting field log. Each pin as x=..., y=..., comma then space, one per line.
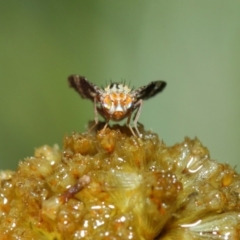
x=106, y=124
x=128, y=124
x=95, y=115
x=96, y=111
x=137, y=106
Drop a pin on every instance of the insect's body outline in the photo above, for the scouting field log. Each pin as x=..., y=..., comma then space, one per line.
x=117, y=101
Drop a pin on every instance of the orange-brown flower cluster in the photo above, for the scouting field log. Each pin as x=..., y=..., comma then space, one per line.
x=112, y=185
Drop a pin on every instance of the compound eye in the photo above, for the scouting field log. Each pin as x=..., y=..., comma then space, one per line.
x=107, y=102
x=127, y=102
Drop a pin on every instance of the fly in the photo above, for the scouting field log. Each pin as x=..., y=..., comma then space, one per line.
x=117, y=101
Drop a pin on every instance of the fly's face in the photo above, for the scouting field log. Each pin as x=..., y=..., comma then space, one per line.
x=116, y=101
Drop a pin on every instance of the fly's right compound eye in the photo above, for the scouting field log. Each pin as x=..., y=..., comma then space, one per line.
x=107, y=102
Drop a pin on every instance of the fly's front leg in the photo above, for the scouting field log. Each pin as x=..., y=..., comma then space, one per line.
x=106, y=124
x=107, y=119
x=95, y=115
x=137, y=106
x=128, y=124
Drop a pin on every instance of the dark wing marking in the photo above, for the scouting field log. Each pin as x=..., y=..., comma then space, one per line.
x=83, y=87
x=149, y=90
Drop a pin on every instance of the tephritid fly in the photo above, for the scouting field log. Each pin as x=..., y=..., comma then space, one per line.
x=117, y=101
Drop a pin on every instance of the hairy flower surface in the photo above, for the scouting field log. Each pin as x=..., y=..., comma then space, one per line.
x=112, y=185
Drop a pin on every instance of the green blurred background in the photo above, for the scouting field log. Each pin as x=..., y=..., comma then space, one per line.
x=193, y=45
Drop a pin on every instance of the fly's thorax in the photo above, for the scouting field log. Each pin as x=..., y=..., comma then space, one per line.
x=116, y=101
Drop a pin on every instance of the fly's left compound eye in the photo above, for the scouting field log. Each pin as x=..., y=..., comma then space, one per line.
x=127, y=102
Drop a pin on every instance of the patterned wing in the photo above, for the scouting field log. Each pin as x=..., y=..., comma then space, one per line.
x=83, y=87
x=149, y=90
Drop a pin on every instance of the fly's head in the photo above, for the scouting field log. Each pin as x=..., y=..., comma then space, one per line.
x=117, y=101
